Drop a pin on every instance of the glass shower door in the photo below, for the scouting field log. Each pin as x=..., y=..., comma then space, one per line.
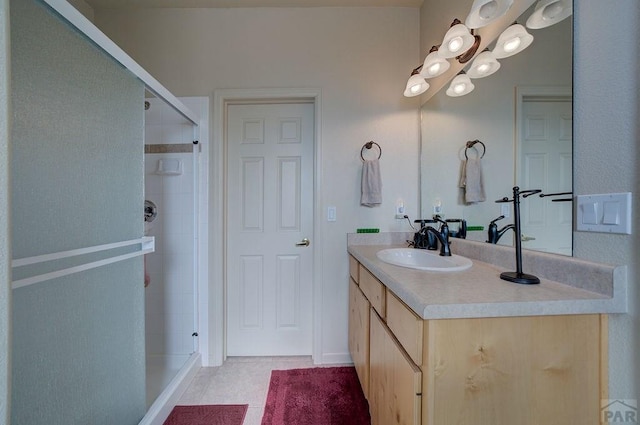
x=77, y=183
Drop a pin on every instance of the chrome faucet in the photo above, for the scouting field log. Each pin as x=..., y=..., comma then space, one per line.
x=494, y=234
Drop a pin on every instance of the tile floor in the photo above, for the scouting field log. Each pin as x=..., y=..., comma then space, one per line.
x=240, y=380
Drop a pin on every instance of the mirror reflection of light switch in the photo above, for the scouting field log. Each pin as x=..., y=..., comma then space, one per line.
x=611, y=213
x=331, y=213
x=590, y=213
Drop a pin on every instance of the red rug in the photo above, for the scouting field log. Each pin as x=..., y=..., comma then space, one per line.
x=318, y=396
x=232, y=414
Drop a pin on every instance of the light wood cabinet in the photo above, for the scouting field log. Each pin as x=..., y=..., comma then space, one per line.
x=374, y=290
x=484, y=371
x=513, y=370
x=406, y=326
x=354, y=269
x=359, y=334
x=395, y=382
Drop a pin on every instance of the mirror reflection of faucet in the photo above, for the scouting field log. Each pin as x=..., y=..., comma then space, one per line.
x=494, y=235
x=461, y=233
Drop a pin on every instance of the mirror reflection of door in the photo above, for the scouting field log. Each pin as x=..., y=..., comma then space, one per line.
x=545, y=153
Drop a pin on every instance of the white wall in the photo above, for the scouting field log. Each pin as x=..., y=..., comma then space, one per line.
x=607, y=158
x=5, y=254
x=360, y=58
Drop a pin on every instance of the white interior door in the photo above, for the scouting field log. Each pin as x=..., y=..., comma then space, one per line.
x=546, y=156
x=269, y=214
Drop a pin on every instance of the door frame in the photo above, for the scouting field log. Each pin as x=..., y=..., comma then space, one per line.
x=217, y=225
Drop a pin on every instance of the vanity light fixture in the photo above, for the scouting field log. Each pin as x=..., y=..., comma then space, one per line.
x=459, y=42
x=460, y=85
x=549, y=12
x=512, y=40
x=416, y=84
x=434, y=64
x=483, y=65
x=483, y=12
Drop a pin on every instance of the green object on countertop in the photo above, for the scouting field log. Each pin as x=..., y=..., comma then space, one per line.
x=368, y=230
x=474, y=228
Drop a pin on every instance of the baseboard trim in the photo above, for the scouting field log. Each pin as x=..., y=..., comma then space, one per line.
x=335, y=358
x=161, y=408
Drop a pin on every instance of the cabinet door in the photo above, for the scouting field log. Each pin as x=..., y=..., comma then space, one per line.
x=359, y=334
x=394, y=380
x=513, y=370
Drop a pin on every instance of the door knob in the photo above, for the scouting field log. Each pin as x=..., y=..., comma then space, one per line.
x=304, y=242
x=525, y=238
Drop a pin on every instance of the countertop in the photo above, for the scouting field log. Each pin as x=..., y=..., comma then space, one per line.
x=479, y=291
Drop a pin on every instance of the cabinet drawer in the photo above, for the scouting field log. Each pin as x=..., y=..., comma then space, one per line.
x=406, y=326
x=374, y=290
x=353, y=269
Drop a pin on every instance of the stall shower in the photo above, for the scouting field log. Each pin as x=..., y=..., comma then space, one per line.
x=172, y=212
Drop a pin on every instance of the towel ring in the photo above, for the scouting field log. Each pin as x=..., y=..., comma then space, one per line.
x=369, y=145
x=470, y=144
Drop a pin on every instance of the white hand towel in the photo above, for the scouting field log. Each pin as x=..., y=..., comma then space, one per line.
x=371, y=183
x=472, y=182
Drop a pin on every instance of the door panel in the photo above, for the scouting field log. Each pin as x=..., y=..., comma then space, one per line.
x=269, y=212
x=546, y=152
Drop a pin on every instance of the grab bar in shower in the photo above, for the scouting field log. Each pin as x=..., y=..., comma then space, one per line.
x=147, y=245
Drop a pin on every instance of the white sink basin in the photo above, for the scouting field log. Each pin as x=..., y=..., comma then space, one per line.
x=423, y=259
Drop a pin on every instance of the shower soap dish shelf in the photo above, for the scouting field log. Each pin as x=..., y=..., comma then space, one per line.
x=169, y=167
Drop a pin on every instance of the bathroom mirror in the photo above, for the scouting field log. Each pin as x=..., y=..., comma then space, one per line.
x=523, y=116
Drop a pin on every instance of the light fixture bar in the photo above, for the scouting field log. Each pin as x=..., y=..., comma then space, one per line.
x=483, y=65
x=434, y=65
x=483, y=12
x=512, y=40
x=549, y=12
x=458, y=41
x=460, y=85
x=416, y=85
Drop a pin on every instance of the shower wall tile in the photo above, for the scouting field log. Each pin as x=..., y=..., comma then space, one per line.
x=169, y=309
x=152, y=134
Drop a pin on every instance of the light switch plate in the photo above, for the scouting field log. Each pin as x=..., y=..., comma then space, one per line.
x=505, y=210
x=607, y=213
x=331, y=214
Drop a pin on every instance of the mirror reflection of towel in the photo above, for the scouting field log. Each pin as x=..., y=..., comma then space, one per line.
x=371, y=183
x=471, y=181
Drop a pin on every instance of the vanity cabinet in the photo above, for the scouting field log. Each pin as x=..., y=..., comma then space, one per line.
x=395, y=382
x=526, y=370
x=359, y=334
